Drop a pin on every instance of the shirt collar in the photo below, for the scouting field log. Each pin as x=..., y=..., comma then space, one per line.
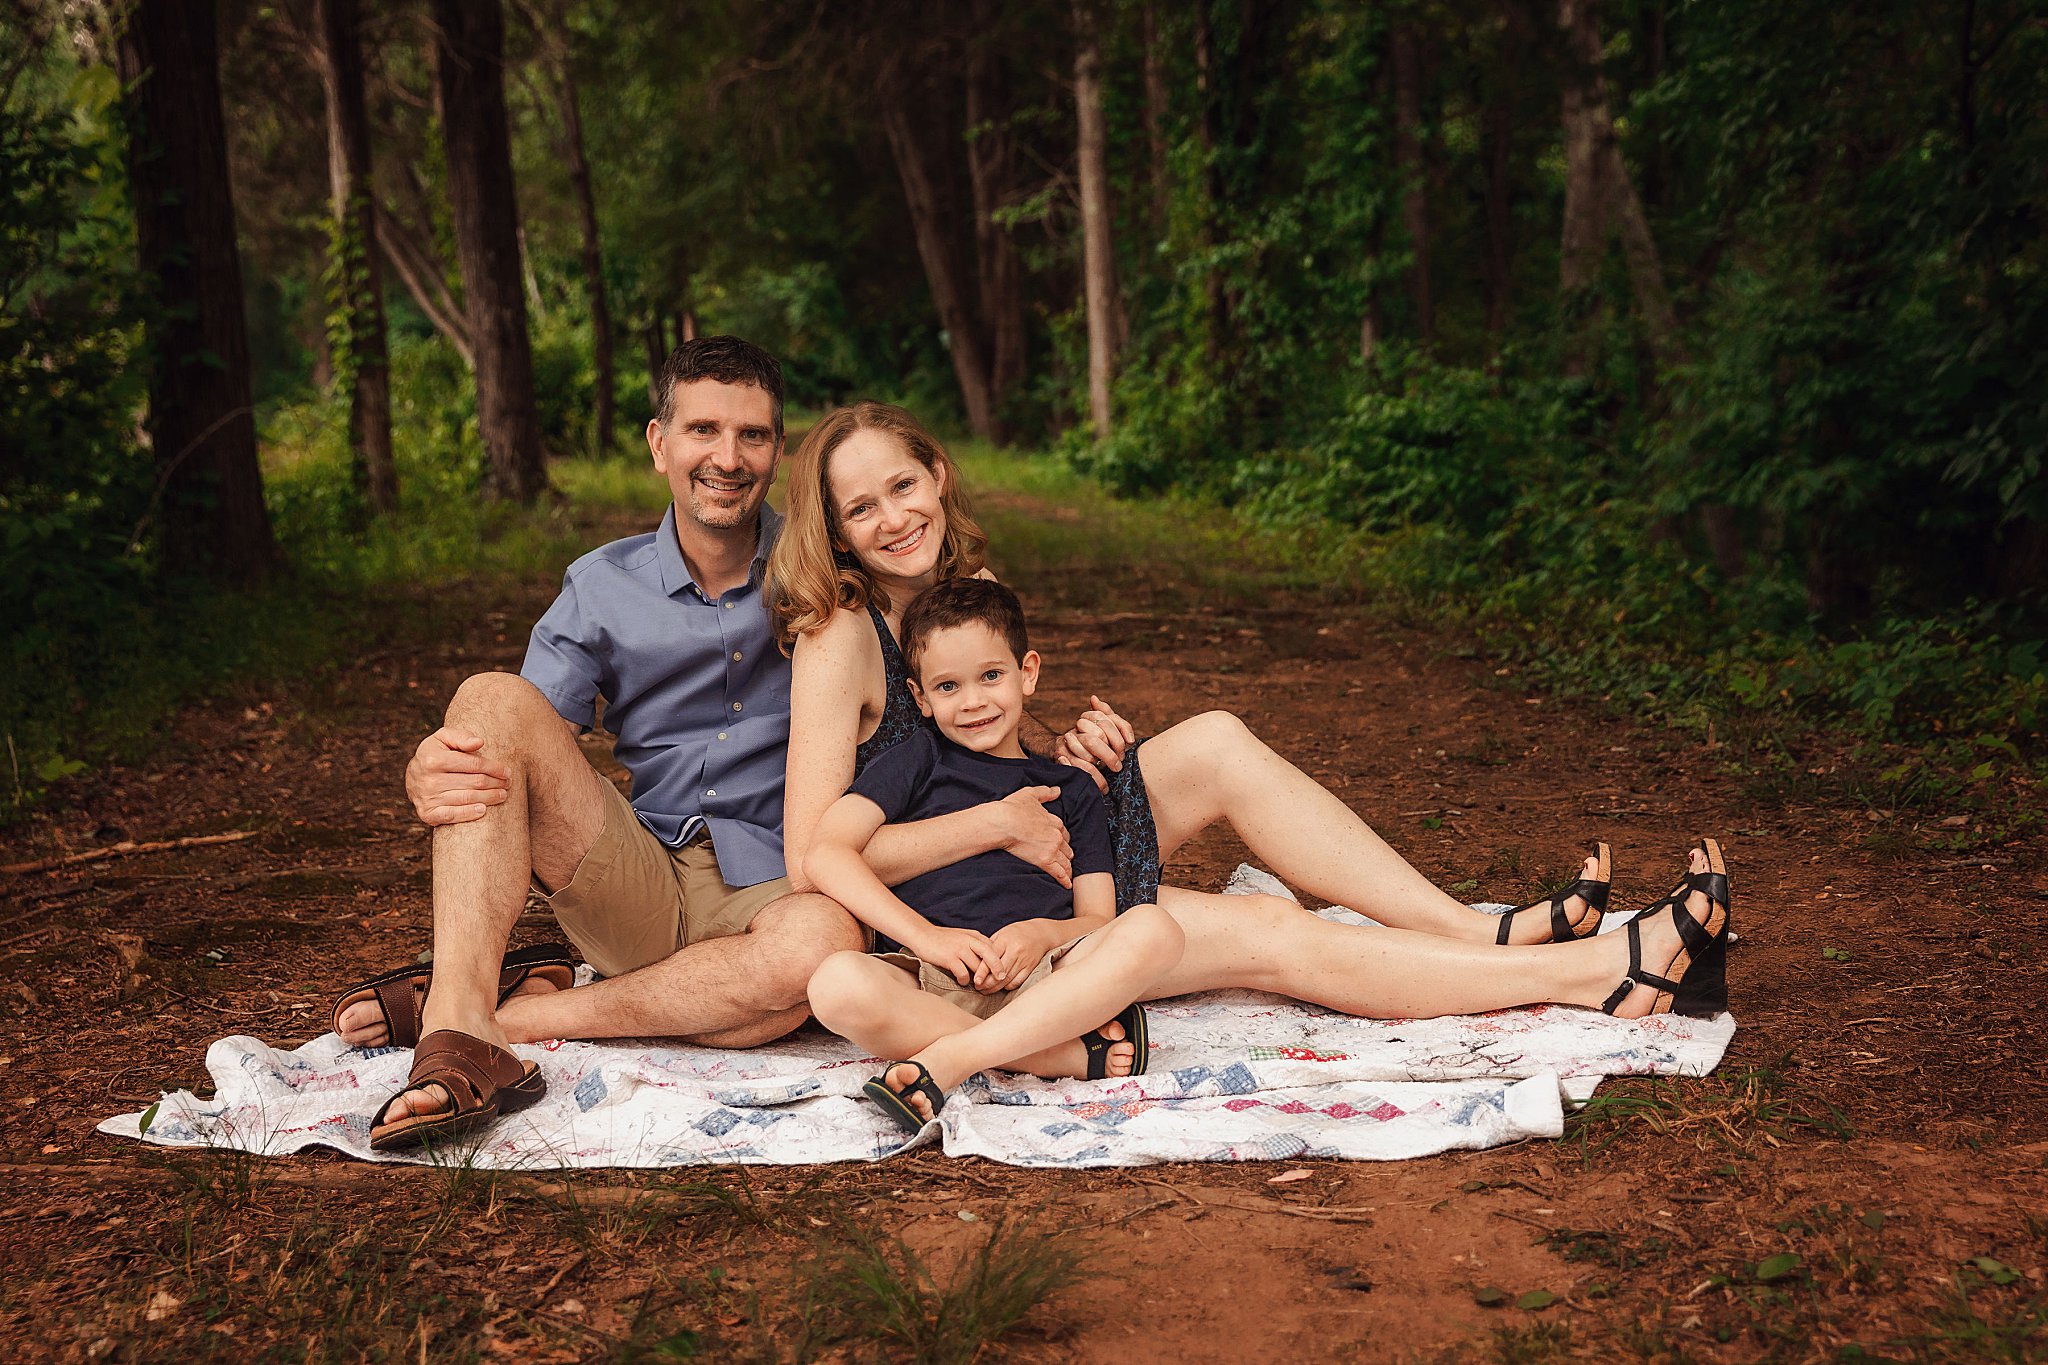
x=675, y=571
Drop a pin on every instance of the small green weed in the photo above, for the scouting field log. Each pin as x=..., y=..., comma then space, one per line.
x=1738, y=1111
x=225, y=1179
x=1979, y=1321
x=1535, y=1344
x=864, y=1286
x=1604, y=1248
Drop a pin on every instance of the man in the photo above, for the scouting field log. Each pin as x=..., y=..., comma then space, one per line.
x=677, y=898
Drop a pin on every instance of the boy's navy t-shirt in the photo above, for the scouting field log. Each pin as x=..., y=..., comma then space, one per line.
x=928, y=775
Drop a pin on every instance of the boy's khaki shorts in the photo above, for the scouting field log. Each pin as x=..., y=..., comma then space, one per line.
x=634, y=900
x=938, y=981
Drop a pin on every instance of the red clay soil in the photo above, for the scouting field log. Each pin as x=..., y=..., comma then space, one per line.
x=1870, y=1166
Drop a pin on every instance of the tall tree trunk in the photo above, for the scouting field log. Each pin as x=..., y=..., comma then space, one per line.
x=1599, y=192
x=604, y=420
x=991, y=169
x=1098, y=259
x=201, y=425
x=931, y=221
x=1155, y=116
x=1598, y=187
x=1208, y=129
x=360, y=282
x=469, y=71
x=1584, y=232
x=1414, y=175
x=1499, y=124
x=655, y=345
x=1372, y=328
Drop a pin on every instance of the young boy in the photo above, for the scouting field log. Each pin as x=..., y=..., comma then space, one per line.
x=990, y=927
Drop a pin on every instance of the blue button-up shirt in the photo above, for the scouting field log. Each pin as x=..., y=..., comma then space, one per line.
x=694, y=688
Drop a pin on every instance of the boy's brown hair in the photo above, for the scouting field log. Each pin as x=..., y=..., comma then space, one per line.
x=962, y=602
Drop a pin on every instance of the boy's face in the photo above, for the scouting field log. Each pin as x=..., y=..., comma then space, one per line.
x=974, y=687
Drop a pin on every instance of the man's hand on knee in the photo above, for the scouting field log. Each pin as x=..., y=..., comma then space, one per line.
x=451, y=782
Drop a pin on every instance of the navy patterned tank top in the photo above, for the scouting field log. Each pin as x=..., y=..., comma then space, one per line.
x=900, y=715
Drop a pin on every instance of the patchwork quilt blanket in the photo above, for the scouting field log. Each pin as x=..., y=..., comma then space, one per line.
x=1233, y=1076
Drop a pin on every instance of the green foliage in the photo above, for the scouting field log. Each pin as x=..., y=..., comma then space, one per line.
x=1854, y=394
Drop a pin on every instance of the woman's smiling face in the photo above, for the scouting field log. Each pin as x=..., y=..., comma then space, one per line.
x=885, y=507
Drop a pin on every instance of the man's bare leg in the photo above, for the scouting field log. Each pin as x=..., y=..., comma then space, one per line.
x=551, y=816
x=731, y=992
x=738, y=991
x=1211, y=767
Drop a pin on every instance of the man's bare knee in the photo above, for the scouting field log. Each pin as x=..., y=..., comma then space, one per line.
x=806, y=928
x=503, y=707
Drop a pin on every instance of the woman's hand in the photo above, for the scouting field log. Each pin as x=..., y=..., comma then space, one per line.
x=1035, y=834
x=1020, y=947
x=1097, y=740
x=450, y=781
x=968, y=956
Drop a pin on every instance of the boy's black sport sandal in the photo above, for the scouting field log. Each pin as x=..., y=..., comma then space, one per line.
x=892, y=1102
x=1592, y=890
x=1135, y=1033
x=1702, y=991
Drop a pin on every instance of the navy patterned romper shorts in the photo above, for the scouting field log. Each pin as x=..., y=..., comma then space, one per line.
x=1133, y=839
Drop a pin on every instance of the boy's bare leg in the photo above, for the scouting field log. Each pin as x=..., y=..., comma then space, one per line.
x=1265, y=943
x=1211, y=767
x=879, y=1007
x=1114, y=966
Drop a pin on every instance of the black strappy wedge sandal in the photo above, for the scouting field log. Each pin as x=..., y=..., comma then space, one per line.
x=1701, y=992
x=1591, y=890
x=892, y=1102
x=1135, y=1033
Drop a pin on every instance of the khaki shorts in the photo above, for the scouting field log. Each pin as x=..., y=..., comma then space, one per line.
x=634, y=900
x=938, y=981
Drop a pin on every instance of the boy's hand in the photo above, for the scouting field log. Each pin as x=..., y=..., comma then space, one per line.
x=1020, y=947
x=968, y=956
x=1097, y=740
x=1035, y=834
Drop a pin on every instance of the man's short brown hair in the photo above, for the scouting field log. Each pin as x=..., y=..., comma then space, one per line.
x=962, y=602
x=726, y=359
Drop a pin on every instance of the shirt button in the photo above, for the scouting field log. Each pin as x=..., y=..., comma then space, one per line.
x=735, y=706
x=711, y=793
x=721, y=734
x=730, y=605
x=737, y=656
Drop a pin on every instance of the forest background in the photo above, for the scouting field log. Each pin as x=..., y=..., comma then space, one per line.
x=1692, y=355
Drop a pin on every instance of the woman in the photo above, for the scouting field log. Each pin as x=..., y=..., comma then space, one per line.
x=876, y=513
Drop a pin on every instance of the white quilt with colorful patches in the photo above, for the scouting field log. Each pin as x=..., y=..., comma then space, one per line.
x=1233, y=1076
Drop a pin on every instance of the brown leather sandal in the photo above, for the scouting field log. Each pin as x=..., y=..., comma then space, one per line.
x=401, y=994
x=483, y=1081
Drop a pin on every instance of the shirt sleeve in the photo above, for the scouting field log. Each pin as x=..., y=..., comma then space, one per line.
x=561, y=659
x=895, y=778
x=1087, y=820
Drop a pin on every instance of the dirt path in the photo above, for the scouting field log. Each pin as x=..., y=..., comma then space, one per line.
x=1870, y=1166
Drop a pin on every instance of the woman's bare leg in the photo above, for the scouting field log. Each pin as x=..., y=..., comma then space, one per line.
x=1265, y=943
x=1211, y=767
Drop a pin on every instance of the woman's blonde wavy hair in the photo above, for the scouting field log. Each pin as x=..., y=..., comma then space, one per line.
x=809, y=575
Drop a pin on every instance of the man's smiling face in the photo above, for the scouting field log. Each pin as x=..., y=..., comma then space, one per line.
x=719, y=452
